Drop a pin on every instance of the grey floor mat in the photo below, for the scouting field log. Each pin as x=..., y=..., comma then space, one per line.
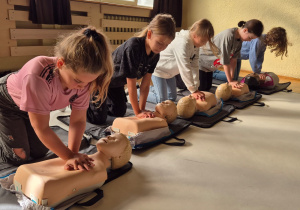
x=279, y=87
x=207, y=122
x=242, y=105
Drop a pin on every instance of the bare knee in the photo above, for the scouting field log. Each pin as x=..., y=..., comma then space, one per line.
x=20, y=152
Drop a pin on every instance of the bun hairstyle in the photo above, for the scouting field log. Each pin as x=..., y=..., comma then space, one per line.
x=254, y=26
x=88, y=50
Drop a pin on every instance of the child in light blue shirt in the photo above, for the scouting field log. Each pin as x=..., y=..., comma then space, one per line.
x=254, y=51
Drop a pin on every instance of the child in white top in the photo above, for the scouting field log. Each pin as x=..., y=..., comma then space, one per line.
x=181, y=57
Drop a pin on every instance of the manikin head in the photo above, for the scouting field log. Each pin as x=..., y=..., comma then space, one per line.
x=186, y=107
x=167, y=110
x=224, y=91
x=117, y=147
x=253, y=81
x=264, y=80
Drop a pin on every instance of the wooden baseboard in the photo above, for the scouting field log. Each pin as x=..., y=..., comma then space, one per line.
x=245, y=72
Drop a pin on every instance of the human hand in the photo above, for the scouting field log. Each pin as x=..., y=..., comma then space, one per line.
x=198, y=95
x=262, y=76
x=79, y=162
x=146, y=114
x=236, y=84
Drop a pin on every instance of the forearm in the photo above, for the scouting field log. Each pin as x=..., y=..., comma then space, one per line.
x=52, y=142
x=134, y=100
x=233, y=62
x=144, y=91
x=228, y=73
x=76, y=130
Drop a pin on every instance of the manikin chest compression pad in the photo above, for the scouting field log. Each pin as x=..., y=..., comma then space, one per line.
x=207, y=120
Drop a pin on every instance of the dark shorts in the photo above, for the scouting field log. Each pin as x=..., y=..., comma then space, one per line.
x=16, y=131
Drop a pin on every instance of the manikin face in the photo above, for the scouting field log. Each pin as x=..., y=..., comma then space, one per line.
x=113, y=145
x=72, y=80
x=157, y=43
x=165, y=108
x=246, y=36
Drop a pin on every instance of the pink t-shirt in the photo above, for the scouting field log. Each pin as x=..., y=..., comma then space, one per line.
x=37, y=88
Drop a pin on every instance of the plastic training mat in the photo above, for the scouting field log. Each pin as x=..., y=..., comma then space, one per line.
x=277, y=88
x=207, y=122
x=176, y=127
x=244, y=104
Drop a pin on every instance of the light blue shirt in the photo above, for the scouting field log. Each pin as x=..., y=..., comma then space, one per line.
x=254, y=51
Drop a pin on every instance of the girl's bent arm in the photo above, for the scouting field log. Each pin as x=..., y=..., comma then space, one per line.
x=132, y=91
x=76, y=129
x=40, y=124
x=144, y=90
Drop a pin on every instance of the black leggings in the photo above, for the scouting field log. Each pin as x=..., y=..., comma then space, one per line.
x=205, y=80
x=114, y=105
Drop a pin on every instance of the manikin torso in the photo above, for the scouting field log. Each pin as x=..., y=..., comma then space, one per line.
x=164, y=113
x=226, y=91
x=236, y=92
x=48, y=183
x=188, y=105
x=210, y=101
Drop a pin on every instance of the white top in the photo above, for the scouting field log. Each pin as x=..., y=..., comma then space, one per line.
x=180, y=57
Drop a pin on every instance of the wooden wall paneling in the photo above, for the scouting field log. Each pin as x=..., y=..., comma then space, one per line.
x=128, y=11
x=24, y=16
x=81, y=20
x=81, y=6
x=19, y=2
x=119, y=36
x=32, y=50
x=123, y=24
x=20, y=39
x=6, y=25
x=36, y=33
x=95, y=15
x=18, y=15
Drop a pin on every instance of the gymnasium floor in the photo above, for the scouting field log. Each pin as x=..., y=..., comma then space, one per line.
x=252, y=163
x=249, y=164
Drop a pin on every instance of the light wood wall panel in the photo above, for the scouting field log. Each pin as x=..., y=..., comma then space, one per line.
x=21, y=40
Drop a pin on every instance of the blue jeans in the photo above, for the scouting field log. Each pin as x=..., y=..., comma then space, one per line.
x=162, y=89
x=220, y=75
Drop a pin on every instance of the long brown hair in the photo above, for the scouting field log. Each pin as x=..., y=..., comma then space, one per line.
x=88, y=50
x=204, y=28
x=276, y=40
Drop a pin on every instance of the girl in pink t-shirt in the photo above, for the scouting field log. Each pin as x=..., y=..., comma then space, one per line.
x=82, y=66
